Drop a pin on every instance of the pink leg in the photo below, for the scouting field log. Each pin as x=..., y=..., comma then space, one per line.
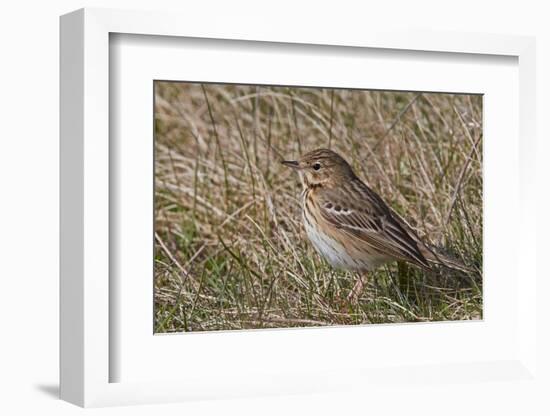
x=355, y=293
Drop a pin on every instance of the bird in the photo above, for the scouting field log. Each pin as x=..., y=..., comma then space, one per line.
x=351, y=226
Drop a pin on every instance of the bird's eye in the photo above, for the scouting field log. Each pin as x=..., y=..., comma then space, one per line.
x=317, y=166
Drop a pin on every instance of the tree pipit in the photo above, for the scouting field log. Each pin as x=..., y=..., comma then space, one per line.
x=350, y=225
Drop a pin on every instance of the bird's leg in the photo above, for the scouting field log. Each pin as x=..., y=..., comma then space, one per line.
x=355, y=293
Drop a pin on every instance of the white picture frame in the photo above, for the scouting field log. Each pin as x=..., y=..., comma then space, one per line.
x=87, y=356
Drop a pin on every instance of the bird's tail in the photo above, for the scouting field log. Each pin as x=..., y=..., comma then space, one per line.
x=431, y=253
x=435, y=256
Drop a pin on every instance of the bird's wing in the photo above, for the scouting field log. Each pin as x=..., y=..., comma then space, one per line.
x=360, y=212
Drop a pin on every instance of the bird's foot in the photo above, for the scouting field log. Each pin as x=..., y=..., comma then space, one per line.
x=355, y=293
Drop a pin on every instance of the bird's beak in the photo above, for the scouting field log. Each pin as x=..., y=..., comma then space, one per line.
x=291, y=163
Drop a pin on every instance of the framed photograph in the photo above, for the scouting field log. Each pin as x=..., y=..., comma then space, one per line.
x=279, y=213
x=245, y=239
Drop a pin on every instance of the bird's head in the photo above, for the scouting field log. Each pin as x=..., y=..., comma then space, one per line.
x=321, y=167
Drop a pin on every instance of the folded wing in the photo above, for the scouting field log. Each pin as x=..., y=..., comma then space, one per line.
x=365, y=216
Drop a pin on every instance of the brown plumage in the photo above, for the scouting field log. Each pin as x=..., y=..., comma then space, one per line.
x=349, y=224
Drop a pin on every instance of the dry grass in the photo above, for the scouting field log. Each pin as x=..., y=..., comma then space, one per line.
x=231, y=252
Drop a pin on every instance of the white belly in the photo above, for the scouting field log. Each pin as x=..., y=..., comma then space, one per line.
x=333, y=251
